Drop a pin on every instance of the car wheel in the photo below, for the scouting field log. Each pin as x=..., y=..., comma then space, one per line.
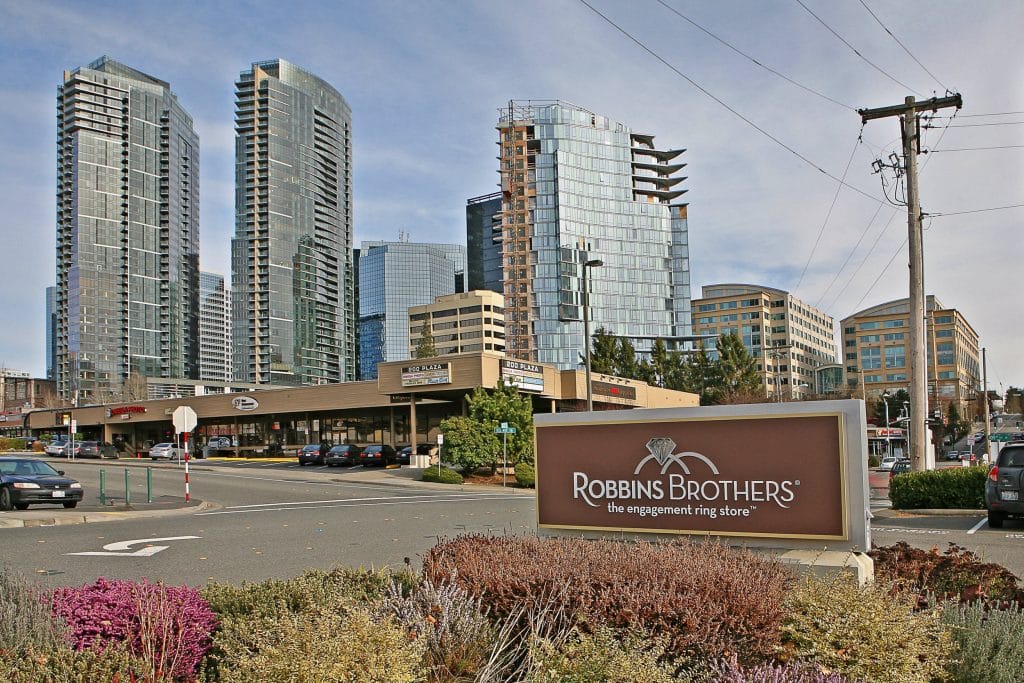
x=5, y=500
x=21, y=506
x=995, y=519
x=70, y=504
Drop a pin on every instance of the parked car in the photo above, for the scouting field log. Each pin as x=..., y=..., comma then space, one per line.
x=166, y=451
x=25, y=482
x=97, y=449
x=887, y=462
x=899, y=467
x=315, y=453
x=1005, y=485
x=343, y=454
x=57, y=447
x=405, y=452
x=952, y=455
x=378, y=454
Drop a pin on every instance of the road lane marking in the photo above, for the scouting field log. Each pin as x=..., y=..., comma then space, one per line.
x=908, y=530
x=356, y=502
x=120, y=548
x=376, y=487
x=977, y=526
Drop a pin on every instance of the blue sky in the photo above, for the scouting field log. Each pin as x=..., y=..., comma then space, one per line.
x=425, y=79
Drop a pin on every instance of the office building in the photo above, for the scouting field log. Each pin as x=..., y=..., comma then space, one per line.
x=393, y=276
x=460, y=323
x=214, y=328
x=293, y=304
x=577, y=187
x=127, y=232
x=876, y=350
x=483, y=243
x=790, y=340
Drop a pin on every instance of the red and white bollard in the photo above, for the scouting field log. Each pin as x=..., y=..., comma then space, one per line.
x=187, y=497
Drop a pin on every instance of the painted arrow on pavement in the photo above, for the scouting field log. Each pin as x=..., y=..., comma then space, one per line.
x=120, y=549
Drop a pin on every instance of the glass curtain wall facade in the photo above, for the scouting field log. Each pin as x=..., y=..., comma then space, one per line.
x=576, y=186
x=483, y=243
x=51, y=333
x=293, y=305
x=127, y=232
x=214, y=328
x=392, y=277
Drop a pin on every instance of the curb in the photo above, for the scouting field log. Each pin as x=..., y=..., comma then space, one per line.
x=889, y=513
x=96, y=517
x=409, y=482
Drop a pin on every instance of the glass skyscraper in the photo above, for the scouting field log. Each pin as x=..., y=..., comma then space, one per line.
x=127, y=232
x=577, y=186
x=51, y=333
x=483, y=243
x=392, y=277
x=294, y=316
x=214, y=328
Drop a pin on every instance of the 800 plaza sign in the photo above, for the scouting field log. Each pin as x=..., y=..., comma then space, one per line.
x=743, y=471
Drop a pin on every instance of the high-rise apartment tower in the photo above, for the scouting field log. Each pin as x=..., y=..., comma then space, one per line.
x=294, y=315
x=214, y=328
x=578, y=187
x=127, y=232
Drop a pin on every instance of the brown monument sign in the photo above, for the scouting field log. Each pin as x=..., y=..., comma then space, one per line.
x=770, y=474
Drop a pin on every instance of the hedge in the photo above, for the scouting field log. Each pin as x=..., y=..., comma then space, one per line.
x=526, y=476
x=951, y=487
x=443, y=476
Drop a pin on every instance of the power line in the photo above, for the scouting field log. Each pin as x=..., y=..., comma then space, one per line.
x=905, y=49
x=943, y=214
x=828, y=216
x=970, y=149
x=721, y=102
x=855, y=51
x=752, y=59
x=1000, y=113
x=982, y=125
x=863, y=233
x=884, y=270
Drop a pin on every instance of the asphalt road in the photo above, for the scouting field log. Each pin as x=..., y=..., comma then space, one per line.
x=276, y=520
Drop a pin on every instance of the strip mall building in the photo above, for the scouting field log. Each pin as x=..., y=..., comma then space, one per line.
x=405, y=405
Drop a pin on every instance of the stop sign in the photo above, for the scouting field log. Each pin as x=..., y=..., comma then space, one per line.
x=184, y=419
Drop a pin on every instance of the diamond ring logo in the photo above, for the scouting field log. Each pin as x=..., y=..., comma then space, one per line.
x=661, y=448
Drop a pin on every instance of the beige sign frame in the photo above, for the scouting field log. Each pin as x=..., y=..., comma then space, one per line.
x=574, y=450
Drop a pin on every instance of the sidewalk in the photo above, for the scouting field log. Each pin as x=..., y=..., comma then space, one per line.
x=86, y=513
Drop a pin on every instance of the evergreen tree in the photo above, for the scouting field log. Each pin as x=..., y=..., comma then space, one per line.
x=659, y=366
x=469, y=444
x=700, y=375
x=603, y=352
x=425, y=344
x=625, y=360
x=736, y=368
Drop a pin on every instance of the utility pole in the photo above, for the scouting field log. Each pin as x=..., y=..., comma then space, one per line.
x=984, y=389
x=908, y=113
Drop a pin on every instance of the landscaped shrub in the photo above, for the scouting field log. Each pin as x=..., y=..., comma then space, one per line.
x=167, y=626
x=950, y=487
x=346, y=644
x=61, y=664
x=526, y=475
x=604, y=655
x=874, y=461
x=310, y=591
x=457, y=634
x=731, y=671
x=868, y=633
x=956, y=573
x=989, y=643
x=25, y=616
x=445, y=475
x=704, y=598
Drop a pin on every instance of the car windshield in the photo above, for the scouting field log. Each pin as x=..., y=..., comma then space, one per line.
x=311, y=448
x=27, y=468
x=339, y=449
x=164, y=445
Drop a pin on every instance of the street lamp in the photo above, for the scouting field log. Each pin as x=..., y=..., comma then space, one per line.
x=885, y=399
x=593, y=263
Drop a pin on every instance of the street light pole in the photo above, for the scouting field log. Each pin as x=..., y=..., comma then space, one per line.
x=888, y=445
x=593, y=263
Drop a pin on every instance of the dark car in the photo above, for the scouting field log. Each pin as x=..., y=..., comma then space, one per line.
x=405, y=452
x=343, y=454
x=97, y=449
x=1004, y=485
x=315, y=453
x=899, y=467
x=378, y=454
x=25, y=482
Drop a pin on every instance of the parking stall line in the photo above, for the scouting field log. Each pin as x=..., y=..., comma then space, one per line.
x=977, y=526
x=353, y=502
